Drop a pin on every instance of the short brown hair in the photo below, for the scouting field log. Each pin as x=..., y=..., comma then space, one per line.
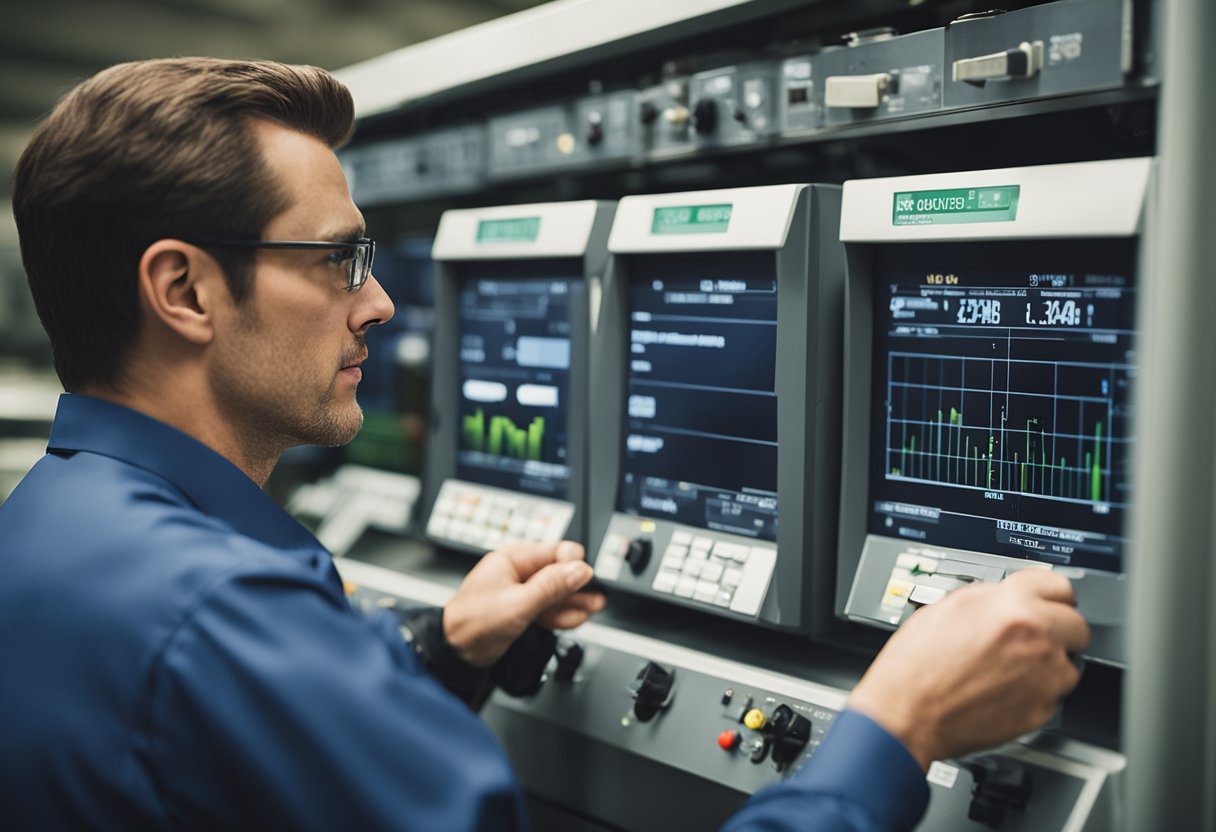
x=146, y=151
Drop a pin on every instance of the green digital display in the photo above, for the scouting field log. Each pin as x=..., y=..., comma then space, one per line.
x=513, y=230
x=691, y=219
x=956, y=205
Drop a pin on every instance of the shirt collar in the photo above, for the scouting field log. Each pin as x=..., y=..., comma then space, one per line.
x=213, y=484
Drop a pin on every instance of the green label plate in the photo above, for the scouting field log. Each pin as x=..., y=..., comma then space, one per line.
x=691, y=219
x=991, y=204
x=514, y=230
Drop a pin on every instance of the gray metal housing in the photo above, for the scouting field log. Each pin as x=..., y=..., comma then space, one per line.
x=444, y=430
x=1079, y=45
x=866, y=560
x=809, y=269
x=910, y=64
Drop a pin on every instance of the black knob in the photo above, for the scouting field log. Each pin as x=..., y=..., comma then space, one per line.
x=569, y=657
x=705, y=116
x=790, y=732
x=647, y=112
x=638, y=554
x=1001, y=784
x=595, y=128
x=739, y=115
x=651, y=691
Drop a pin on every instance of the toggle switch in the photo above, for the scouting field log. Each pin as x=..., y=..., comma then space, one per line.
x=1023, y=61
x=857, y=91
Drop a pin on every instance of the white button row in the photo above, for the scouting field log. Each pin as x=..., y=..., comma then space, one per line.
x=488, y=518
x=726, y=574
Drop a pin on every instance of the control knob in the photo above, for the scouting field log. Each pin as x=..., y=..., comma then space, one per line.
x=651, y=690
x=705, y=116
x=790, y=732
x=638, y=554
x=1001, y=784
x=569, y=655
x=595, y=128
x=647, y=112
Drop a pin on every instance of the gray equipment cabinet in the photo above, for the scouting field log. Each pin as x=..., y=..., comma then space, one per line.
x=991, y=315
x=705, y=534
x=512, y=245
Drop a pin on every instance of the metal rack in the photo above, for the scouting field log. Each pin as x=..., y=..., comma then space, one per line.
x=1169, y=702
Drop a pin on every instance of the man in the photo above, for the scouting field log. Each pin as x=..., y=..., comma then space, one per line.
x=178, y=651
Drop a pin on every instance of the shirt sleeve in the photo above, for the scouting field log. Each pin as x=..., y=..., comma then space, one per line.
x=277, y=706
x=860, y=780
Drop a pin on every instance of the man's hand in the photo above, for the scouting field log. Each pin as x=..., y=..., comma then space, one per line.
x=512, y=587
x=982, y=666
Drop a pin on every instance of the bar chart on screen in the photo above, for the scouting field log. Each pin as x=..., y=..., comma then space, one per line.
x=1033, y=427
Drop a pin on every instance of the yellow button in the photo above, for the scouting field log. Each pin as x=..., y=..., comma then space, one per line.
x=349, y=588
x=755, y=719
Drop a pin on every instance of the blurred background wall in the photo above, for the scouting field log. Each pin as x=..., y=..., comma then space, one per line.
x=47, y=47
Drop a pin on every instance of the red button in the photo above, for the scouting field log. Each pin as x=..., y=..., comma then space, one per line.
x=727, y=740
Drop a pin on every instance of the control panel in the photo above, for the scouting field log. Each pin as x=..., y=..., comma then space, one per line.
x=992, y=323
x=604, y=127
x=725, y=570
x=1069, y=46
x=879, y=74
x=715, y=367
x=991, y=58
x=740, y=727
x=530, y=141
x=664, y=119
x=507, y=457
x=452, y=160
x=733, y=105
x=799, y=105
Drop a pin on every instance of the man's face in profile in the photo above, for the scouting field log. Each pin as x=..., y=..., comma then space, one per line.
x=285, y=360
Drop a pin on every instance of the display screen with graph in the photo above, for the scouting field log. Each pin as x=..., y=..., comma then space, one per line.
x=514, y=374
x=701, y=404
x=1001, y=418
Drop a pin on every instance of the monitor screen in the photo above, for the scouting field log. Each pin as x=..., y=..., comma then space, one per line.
x=514, y=382
x=701, y=405
x=1001, y=417
x=394, y=391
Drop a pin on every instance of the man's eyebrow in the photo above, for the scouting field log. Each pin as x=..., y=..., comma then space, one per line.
x=346, y=235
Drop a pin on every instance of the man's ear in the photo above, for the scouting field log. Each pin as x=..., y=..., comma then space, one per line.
x=175, y=281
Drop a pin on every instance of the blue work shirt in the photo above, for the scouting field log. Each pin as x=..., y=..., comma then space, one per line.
x=178, y=652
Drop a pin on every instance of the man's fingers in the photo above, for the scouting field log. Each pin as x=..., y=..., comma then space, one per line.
x=569, y=550
x=1045, y=584
x=1067, y=625
x=551, y=586
x=530, y=558
x=564, y=618
x=583, y=602
x=589, y=601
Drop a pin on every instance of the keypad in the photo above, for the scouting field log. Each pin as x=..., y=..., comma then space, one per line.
x=487, y=518
x=722, y=573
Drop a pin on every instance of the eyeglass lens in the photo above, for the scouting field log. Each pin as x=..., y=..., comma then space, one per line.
x=361, y=265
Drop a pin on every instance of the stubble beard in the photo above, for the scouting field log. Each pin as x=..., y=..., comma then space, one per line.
x=332, y=424
x=269, y=408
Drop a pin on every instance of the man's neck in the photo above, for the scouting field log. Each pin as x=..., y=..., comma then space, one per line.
x=202, y=421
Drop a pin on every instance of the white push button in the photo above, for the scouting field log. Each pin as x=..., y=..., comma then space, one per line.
x=756, y=576
x=855, y=91
x=924, y=594
x=1022, y=62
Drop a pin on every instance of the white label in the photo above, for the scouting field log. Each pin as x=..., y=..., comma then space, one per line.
x=942, y=774
x=1063, y=48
